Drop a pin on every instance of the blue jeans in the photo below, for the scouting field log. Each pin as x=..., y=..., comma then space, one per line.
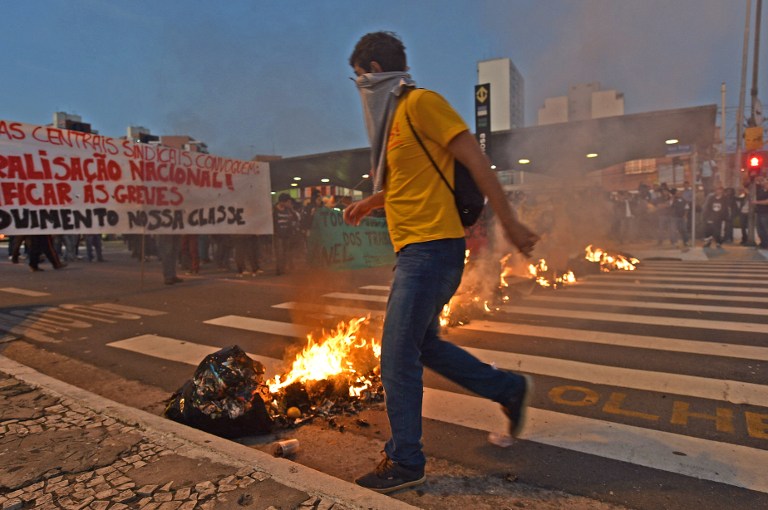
x=426, y=276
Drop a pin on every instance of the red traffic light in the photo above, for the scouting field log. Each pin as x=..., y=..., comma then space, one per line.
x=754, y=162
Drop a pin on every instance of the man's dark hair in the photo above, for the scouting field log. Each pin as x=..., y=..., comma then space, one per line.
x=284, y=197
x=386, y=48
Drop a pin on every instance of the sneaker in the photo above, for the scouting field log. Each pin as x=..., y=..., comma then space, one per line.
x=171, y=281
x=390, y=476
x=515, y=410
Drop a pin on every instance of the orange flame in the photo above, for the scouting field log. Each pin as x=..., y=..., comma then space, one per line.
x=539, y=270
x=445, y=315
x=341, y=352
x=608, y=261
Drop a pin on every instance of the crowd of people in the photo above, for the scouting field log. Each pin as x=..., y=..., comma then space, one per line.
x=666, y=214
x=242, y=254
x=651, y=213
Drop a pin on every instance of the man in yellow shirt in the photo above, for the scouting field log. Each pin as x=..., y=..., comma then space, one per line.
x=428, y=237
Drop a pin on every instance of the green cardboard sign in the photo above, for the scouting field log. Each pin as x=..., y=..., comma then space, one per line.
x=334, y=244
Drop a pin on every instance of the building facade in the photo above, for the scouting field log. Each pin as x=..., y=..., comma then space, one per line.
x=584, y=101
x=507, y=93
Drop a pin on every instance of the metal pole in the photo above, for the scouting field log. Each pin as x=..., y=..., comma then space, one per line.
x=752, y=237
x=727, y=176
x=742, y=92
x=695, y=166
x=755, y=60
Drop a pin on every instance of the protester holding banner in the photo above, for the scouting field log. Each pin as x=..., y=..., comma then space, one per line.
x=42, y=245
x=169, y=249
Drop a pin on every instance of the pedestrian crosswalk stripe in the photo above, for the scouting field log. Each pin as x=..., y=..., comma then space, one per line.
x=562, y=298
x=384, y=288
x=748, y=352
x=637, y=276
x=356, y=297
x=701, y=458
x=130, y=309
x=712, y=288
x=704, y=459
x=705, y=264
x=667, y=295
x=341, y=311
x=662, y=382
x=707, y=272
x=344, y=311
x=637, y=319
x=181, y=351
x=261, y=325
x=24, y=292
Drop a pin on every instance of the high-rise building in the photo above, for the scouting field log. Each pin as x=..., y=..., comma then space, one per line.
x=507, y=93
x=141, y=134
x=63, y=120
x=584, y=101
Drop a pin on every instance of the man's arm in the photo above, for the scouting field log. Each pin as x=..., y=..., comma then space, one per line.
x=356, y=211
x=465, y=148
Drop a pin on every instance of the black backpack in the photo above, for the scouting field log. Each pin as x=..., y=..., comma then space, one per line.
x=468, y=197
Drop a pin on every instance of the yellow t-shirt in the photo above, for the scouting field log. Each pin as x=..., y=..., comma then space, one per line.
x=418, y=204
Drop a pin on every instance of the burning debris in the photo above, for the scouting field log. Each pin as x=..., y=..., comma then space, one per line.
x=608, y=261
x=334, y=375
x=337, y=374
x=516, y=280
x=547, y=277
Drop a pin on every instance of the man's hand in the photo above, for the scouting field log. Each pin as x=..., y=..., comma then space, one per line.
x=519, y=235
x=356, y=211
x=465, y=148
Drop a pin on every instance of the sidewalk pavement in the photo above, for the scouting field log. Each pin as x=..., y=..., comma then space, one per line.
x=62, y=447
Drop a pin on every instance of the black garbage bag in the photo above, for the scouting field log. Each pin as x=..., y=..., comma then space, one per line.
x=223, y=398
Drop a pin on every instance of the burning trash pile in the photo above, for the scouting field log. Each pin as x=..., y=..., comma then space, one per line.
x=610, y=261
x=228, y=396
x=516, y=279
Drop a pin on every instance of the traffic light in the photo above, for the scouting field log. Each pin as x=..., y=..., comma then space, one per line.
x=754, y=163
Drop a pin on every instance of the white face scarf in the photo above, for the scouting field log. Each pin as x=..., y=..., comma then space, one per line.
x=379, y=93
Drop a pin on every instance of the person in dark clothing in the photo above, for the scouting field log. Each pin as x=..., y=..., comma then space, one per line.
x=678, y=211
x=714, y=212
x=247, y=252
x=42, y=245
x=761, y=211
x=731, y=213
x=742, y=212
x=14, y=247
x=286, y=228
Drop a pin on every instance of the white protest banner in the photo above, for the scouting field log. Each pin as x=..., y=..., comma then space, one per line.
x=56, y=181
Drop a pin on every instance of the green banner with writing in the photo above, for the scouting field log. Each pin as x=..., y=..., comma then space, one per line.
x=334, y=244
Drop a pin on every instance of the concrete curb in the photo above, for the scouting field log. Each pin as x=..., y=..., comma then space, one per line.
x=194, y=443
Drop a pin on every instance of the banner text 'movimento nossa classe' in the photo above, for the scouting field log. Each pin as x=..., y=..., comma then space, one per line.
x=101, y=217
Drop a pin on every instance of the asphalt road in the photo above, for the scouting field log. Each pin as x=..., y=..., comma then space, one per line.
x=651, y=386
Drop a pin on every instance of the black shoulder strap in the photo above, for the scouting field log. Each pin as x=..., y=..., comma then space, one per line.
x=418, y=139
